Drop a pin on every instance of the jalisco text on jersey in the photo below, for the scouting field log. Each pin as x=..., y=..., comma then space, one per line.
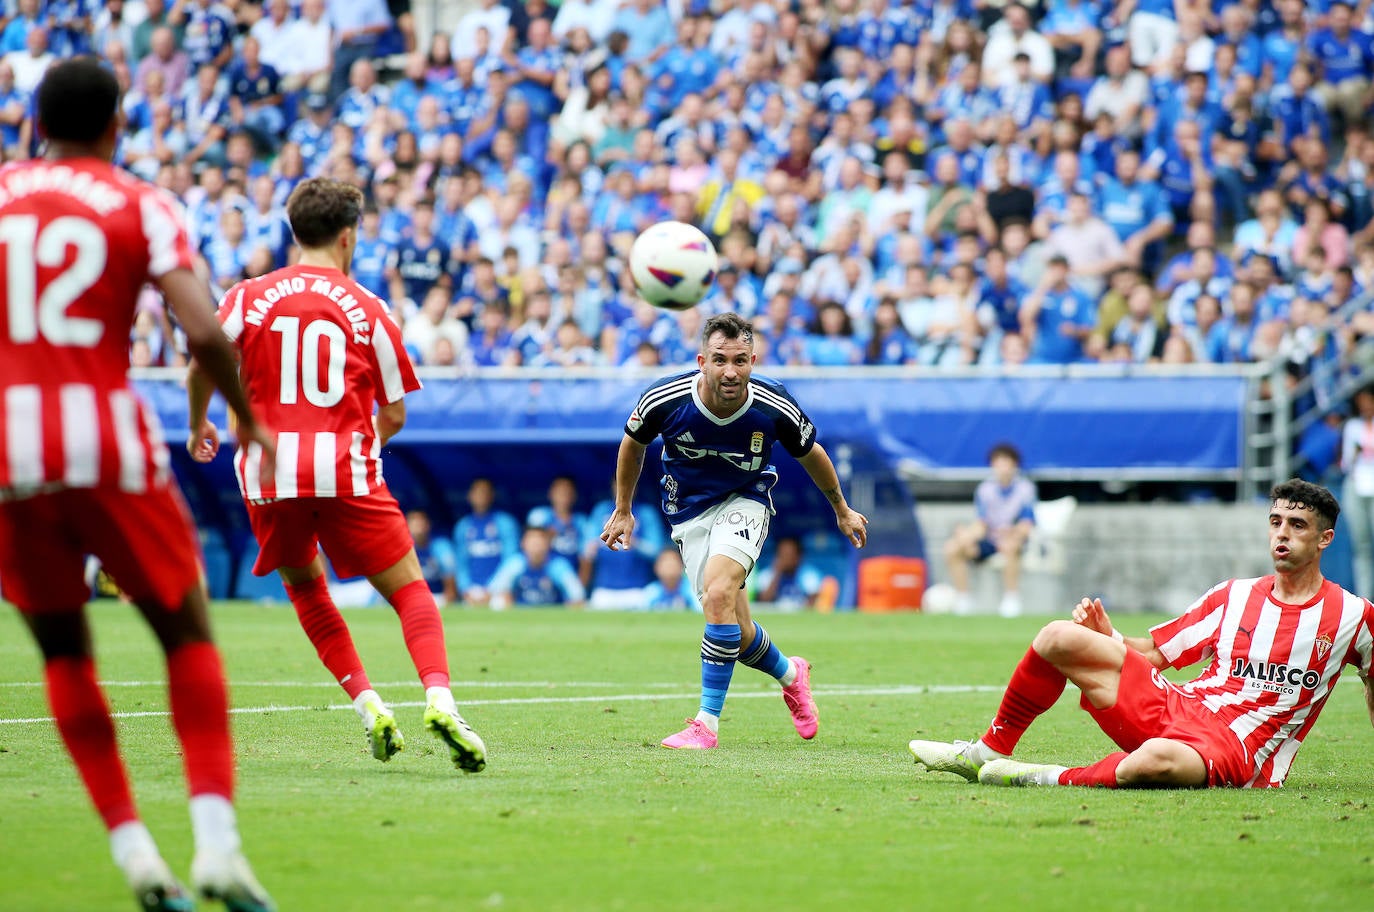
x=1275, y=672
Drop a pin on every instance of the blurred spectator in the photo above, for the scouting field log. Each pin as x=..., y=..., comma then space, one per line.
x=1057, y=317
x=273, y=34
x=535, y=577
x=357, y=26
x=558, y=517
x=1005, y=506
x=1011, y=36
x=15, y=124
x=255, y=97
x=616, y=579
x=1357, y=462
x=433, y=322
x=309, y=50
x=789, y=581
x=670, y=590
x=29, y=64
x=482, y=541
x=437, y=560
x=207, y=31
x=1090, y=246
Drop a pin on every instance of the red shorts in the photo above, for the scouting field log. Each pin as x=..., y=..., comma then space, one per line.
x=147, y=542
x=1148, y=707
x=361, y=536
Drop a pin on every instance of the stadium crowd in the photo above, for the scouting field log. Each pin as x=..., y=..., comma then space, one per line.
x=938, y=182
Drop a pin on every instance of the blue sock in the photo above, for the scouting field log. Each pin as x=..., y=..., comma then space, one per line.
x=764, y=656
x=719, y=650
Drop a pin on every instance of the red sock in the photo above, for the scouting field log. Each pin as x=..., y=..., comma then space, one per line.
x=1101, y=774
x=1034, y=687
x=83, y=719
x=424, y=632
x=321, y=621
x=200, y=715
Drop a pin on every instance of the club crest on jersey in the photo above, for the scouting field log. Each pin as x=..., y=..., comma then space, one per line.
x=1322, y=647
x=756, y=442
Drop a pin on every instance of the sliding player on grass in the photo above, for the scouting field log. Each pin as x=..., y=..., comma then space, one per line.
x=83, y=469
x=719, y=425
x=319, y=354
x=1275, y=647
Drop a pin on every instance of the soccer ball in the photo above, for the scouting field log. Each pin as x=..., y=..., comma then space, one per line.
x=939, y=599
x=673, y=265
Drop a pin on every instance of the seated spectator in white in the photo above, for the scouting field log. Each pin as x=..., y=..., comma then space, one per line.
x=670, y=590
x=309, y=56
x=1013, y=35
x=536, y=578
x=585, y=110
x=434, y=322
x=1005, y=506
x=273, y=32
x=1089, y=244
x=489, y=15
x=1120, y=92
x=30, y=64
x=789, y=581
x=596, y=16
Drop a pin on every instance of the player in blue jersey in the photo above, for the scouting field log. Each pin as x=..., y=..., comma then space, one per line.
x=536, y=577
x=483, y=539
x=719, y=425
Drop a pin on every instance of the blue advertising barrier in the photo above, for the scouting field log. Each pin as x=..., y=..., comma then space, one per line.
x=522, y=428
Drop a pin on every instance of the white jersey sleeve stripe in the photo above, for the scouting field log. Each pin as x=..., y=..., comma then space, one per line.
x=233, y=320
x=655, y=397
x=288, y=453
x=129, y=440
x=24, y=435
x=779, y=403
x=357, y=465
x=393, y=384
x=161, y=229
x=80, y=435
x=326, y=482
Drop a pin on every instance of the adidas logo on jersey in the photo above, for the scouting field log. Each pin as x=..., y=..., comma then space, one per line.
x=687, y=438
x=744, y=534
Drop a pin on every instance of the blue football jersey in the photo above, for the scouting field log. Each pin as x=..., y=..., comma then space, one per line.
x=707, y=459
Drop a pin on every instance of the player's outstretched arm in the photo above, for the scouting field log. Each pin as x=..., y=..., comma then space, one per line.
x=822, y=471
x=1089, y=613
x=621, y=524
x=213, y=356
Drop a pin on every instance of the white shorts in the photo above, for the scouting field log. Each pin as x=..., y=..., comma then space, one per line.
x=736, y=528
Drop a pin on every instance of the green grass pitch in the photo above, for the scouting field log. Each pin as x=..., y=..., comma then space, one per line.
x=580, y=809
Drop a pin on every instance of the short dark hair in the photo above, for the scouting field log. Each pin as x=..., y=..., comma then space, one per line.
x=730, y=325
x=1005, y=449
x=77, y=100
x=1308, y=496
x=321, y=209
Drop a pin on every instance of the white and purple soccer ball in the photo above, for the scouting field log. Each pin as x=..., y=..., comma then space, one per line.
x=673, y=265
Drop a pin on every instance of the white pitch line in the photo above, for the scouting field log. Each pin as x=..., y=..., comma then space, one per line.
x=832, y=691
x=461, y=685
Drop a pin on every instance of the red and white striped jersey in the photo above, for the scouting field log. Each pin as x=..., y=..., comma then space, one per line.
x=80, y=238
x=1272, y=665
x=318, y=353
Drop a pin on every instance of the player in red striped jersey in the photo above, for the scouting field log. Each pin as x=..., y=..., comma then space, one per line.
x=1274, y=645
x=83, y=468
x=322, y=361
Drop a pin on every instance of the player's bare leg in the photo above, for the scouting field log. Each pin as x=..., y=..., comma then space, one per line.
x=960, y=550
x=324, y=625
x=200, y=715
x=1013, y=540
x=794, y=673
x=83, y=720
x=403, y=585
